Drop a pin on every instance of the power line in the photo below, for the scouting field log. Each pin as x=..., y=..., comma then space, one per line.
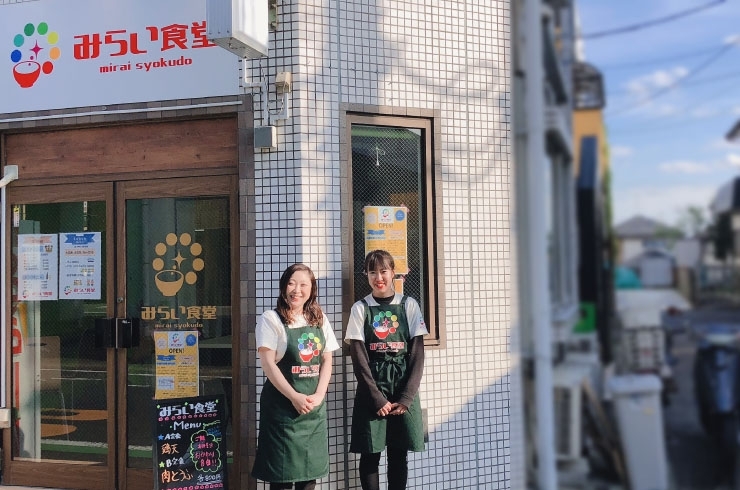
x=655, y=127
x=656, y=61
x=650, y=23
x=651, y=128
x=715, y=95
x=699, y=81
x=676, y=82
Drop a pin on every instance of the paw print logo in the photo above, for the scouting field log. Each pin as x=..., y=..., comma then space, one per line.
x=31, y=58
x=169, y=281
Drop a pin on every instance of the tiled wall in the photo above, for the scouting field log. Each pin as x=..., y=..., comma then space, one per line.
x=449, y=59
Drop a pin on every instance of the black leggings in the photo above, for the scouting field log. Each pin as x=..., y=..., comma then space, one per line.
x=299, y=485
x=398, y=470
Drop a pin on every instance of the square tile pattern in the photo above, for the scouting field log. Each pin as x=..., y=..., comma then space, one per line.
x=408, y=58
x=397, y=57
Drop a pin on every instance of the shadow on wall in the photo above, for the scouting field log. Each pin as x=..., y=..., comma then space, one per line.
x=471, y=448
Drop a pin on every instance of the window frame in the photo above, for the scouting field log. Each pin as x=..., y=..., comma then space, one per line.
x=564, y=297
x=430, y=180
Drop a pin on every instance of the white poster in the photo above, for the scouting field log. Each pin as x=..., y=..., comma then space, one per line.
x=26, y=321
x=77, y=53
x=38, y=266
x=80, y=260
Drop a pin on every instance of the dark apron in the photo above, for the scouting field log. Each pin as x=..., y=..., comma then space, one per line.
x=386, y=342
x=293, y=447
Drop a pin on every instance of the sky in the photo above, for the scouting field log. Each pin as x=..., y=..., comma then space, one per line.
x=672, y=95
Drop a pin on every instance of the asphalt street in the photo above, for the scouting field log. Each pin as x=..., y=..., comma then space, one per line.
x=694, y=457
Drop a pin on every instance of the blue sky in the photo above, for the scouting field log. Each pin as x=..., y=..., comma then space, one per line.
x=668, y=151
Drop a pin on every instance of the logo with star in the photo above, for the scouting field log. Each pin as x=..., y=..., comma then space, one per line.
x=35, y=51
x=177, y=263
x=309, y=346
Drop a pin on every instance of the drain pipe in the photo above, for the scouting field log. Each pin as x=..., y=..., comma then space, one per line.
x=10, y=174
x=536, y=246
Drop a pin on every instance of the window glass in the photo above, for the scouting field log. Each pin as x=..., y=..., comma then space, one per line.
x=391, y=208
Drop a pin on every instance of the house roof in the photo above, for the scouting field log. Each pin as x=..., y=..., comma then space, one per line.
x=639, y=227
x=727, y=197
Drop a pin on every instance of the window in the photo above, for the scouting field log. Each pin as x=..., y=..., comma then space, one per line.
x=562, y=234
x=393, y=208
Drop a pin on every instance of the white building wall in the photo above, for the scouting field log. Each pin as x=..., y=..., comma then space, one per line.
x=629, y=249
x=451, y=57
x=448, y=57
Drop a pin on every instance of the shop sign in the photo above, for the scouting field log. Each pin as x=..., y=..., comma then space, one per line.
x=178, y=264
x=78, y=53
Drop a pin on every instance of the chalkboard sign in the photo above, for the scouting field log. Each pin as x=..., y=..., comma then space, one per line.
x=190, y=444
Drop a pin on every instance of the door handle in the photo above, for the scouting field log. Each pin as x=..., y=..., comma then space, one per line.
x=117, y=333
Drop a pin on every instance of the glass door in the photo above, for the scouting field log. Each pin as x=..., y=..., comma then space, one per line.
x=178, y=284
x=151, y=256
x=62, y=384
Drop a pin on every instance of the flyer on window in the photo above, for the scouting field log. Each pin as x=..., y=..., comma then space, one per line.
x=386, y=229
x=80, y=260
x=38, y=266
x=176, y=363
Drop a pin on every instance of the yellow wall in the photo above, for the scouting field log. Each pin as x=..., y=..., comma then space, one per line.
x=590, y=123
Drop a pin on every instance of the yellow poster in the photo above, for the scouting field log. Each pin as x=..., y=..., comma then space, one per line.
x=176, y=364
x=386, y=229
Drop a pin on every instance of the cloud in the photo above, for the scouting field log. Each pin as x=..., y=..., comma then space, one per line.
x=723, y=144
x=733, y=159
x=664, y=203
x=732, y=39
x=644, y=85
x=618, y=151
x=684, y=167
x=704, y=112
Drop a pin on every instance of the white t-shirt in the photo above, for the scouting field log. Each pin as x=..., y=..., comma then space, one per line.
x=356, y=324
x=271, y=334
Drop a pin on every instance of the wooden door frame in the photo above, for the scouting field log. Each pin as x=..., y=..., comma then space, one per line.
x=80, y=475
x=221, y=186
x=46, y=473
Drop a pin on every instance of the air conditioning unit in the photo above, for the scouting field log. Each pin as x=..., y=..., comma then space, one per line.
x=568, y=399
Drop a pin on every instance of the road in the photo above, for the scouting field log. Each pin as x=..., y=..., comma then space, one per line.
x=694, y=458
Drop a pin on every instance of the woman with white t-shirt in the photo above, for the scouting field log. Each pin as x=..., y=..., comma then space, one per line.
x=295, y=343
x=386, y=337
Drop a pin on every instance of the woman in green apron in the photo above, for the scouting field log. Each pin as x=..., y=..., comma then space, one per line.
x=386, y=337
x=295, y=342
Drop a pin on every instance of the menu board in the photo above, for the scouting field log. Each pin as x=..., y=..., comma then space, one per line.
x=190, y=444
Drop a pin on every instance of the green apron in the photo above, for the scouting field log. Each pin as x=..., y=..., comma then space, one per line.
x=293, y=447
x=386, y=341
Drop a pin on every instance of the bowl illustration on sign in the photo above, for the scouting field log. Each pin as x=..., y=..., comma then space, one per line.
x=26, y=73
x=169, y=282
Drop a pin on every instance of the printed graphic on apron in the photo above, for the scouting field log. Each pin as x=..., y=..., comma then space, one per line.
x=384, y=323
x=309, y=346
